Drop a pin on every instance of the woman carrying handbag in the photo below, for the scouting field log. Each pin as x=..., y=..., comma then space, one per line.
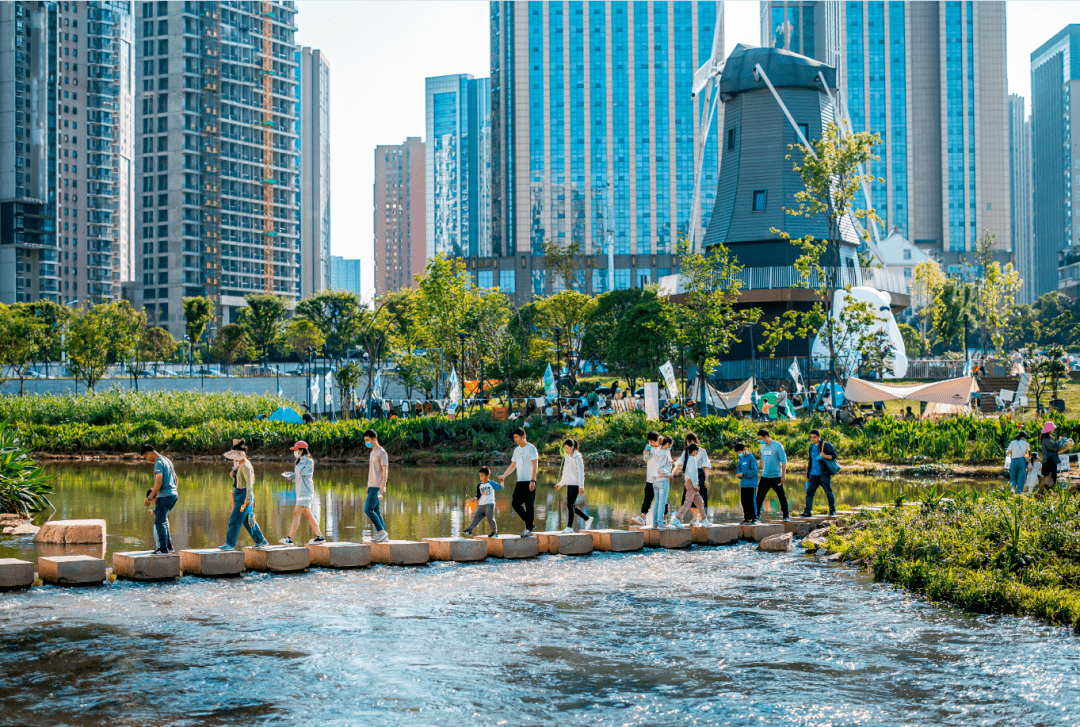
x=820, y=468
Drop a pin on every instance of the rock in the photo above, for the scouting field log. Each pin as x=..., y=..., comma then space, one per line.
x=617, y=541
x=797, y=528
x=759, y=531
x=400, y=552
x=813, y=544
x=715, y=534
x=460, y=550
x=833, y=557
x=71, y=531
x=146, y=566
x=511, y=546
x=15, y=573
x=666, y=537
x=340, y=555
x=776, y=543
x=277, y=558
x=72, y=570
x=559, y=543
x=212, y=562
x=25, y=528
x=819, y=533
x=8, y=518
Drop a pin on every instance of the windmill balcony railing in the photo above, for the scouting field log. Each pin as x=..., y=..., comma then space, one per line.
x=788, y=276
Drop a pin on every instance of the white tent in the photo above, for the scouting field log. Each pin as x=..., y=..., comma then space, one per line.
x=722, y=400
x=951, y=392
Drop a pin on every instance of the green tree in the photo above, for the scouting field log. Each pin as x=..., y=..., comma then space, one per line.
x=262, y=321
x=55, y=318
x=1046, y=370
x=337, y=314
x=913, y=340
x=952, y=302
x=567, y=263
x=99, y=338
x=347, y=377
x=926, y=283
x=994, y=295
x=641, y=346
x=570, y=313
x=198, y=312
x=301, y=335
x=148, y=343
x=21, y=337
x=602, y=331
x=447, y=305
x=230, y=345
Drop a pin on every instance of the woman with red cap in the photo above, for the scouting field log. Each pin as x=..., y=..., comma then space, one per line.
x=1051, y=449
x=303, y=477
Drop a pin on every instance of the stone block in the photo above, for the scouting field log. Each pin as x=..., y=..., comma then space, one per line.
x=277, y=558
x=715, y=534
x=72, y=570
x=780, y=543
x=666, y=537
x=617, y=541
x=15, y=573
x=799, y=528
x=340, y=554
x=146, y=566
x=212, y=562
x=460, y=550
x=759, y=531
x=513, y=547
x=400, y=552
x=71, y=531
x=556, y=542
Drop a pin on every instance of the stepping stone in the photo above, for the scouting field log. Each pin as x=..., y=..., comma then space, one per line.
x=715, y=534
x=71, y=531
x=555, y=542
x=15, y=573
x=617, y=541
x=759, y=531
x=400, y=552
x=277, y=558
x=212, y=562
x=461, y=550
x=512, y=546
x=72, y=570
x=340, y=554
x=799, y=528
x=780, y=543
x=666, y=537
x=145, y=566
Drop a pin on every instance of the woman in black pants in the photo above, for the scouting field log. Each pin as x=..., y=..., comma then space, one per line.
x=573, y=478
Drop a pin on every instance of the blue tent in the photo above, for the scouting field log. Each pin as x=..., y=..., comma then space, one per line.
x=287, y=415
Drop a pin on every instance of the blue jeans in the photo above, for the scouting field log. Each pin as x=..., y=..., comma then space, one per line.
x=242, y=516
x=161, y=520
x=660, y=492
x=371, y=509
x=1017, y=474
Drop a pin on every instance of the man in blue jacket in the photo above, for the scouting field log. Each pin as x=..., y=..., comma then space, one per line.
x=816, y=473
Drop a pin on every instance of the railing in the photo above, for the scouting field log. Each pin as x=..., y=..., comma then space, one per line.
x=777, y=368
x=787, y=276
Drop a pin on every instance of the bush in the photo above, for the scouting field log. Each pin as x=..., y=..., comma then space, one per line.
x=24, y=488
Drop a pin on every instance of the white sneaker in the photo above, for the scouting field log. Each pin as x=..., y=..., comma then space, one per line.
x=588, y=524
x=639, y=520
x=676, y=524
x=381, y=537
x=567, y=531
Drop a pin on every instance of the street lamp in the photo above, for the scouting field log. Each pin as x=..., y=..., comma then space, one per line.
x=558, y=364
x=967, y=357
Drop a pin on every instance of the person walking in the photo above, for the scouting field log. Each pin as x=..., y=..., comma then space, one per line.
x=661, y=483
x=1051, y=451
x=485, y=504
x=782, y=403
x=1017, y=454
x=573, y=478
x=303, y=479
x=651, y=456
x=243, y=512
x=688, y=466
x=378, y=469
x=162, y=496
x=747, y=472
x=525, y=461
x=704, y=466
x=773, y=471
x=817, y=474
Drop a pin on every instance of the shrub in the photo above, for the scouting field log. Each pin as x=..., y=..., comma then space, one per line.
x=24, y=488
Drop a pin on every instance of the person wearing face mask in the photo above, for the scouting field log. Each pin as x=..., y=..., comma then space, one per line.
x=243, y=477
x=303, y=478
x=378, y=467
x=773, y=471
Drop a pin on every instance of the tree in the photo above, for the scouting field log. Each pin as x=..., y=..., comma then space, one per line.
x=99, y=338
x=926, y=283
x=569, y=312
x=831, y=180
x=913, y=340
x=602, y=331
x=55, y=318
x=640, y=346
x=231, y=344
x=1046, y=369
x=301, y=335
x=21, y=337
x=951, y=303
x=519, y=349
x=134, y=323
x=198, y=312
x=568, y=264
x=336, y=313
x=348, y=376
x=262, y=321
x=373, y=333
x=149, y=343
x=448, y=304
x=994, y=294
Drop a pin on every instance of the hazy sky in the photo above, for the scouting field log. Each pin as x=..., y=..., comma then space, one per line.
x=381, y=52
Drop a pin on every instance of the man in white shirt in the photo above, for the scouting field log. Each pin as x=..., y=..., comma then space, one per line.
x=525, y=460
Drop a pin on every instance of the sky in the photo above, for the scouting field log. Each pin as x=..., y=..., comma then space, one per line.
x=380, y=53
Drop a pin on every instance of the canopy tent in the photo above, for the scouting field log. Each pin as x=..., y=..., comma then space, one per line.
x=287, y=415
x=720, y=401
x=951, y=392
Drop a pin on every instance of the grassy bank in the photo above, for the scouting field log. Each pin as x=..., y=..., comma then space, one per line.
x=990, y=553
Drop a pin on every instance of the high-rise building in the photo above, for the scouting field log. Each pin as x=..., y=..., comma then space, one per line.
x=1023, y=244
x=930, y=78
x=400, y=241
x=66, y=147
x=458, y=161
x=345, y=275
x=1055, y=75
x=217, y=158
x=591, y=110
x=314, y=172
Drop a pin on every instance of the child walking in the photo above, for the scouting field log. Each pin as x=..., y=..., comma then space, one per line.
x=651, y=456
x=662, y=482
x=1033, y=471
x=573, y=478
x=303, y=479
x=688, y=465
x=747, y=472
x=485, y=504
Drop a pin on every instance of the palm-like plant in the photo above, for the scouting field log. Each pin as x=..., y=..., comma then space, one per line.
x=24, y=486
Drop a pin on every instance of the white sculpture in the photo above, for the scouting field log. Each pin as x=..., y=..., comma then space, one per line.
x=849, y=358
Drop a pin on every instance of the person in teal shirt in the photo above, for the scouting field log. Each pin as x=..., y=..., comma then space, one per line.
x=773, y=471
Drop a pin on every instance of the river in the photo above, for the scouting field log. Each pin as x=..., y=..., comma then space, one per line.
x=727, y=636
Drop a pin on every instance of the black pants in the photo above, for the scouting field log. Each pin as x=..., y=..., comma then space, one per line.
x=749, y=507
x=571, y=506
x=522, y=503
x=813, y=483
x=1050, y=469
x=703, y=490
x=646, y=502
x=774, y=484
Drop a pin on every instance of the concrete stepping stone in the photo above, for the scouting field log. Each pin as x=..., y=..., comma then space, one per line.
x=15, y=573
x=339, y=554
x=715, y=534
x=212, y=562
x=617, y=541
x=513, y=547
x=400, y=552
x=460, y=550
x=666, y=537
x=72, y=570
x=71, y=531
x=146, y=566
x=799, y=528
x=277, y=558
x=556, y=542
x=759, y=531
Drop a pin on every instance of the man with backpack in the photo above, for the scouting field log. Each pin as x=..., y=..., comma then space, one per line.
x=822, y=457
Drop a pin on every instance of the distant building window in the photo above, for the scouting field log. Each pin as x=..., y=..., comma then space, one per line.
x=507, y=281
x=731, y=140
x=907, y=272
x=485, y=278
x=804, y=129
x=907, y=254
x=538, y=282
x=644, y=277
x=759, y=200
x=622, y=278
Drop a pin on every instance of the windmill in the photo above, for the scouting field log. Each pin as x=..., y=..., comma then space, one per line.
x=706, y=78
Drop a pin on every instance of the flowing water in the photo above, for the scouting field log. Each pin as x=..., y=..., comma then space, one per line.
x=725, y=635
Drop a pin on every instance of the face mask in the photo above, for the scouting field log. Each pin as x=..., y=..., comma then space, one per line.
x=369, y=445
x=761, y=441
x=296, y=453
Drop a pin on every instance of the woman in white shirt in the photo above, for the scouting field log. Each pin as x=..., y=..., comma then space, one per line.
x=1018, y=451
x=573, y=478
x=303, y=479
x=688, y=463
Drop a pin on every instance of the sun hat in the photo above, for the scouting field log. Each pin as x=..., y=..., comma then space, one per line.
x=300, y=445
x=1048, y=427
x=235, y=454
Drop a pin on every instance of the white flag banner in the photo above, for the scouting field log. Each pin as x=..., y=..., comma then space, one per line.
x=795, y=374
x=549, y=383
x=668, y=372
x=314, y=390
x=455, y=389
x=329, y=381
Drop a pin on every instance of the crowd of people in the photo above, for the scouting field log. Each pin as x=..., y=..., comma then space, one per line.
x=1034, y=469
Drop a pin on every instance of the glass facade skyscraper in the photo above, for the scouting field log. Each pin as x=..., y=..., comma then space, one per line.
x=592, y=110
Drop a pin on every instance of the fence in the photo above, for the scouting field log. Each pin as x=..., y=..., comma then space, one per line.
x=777, y=368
